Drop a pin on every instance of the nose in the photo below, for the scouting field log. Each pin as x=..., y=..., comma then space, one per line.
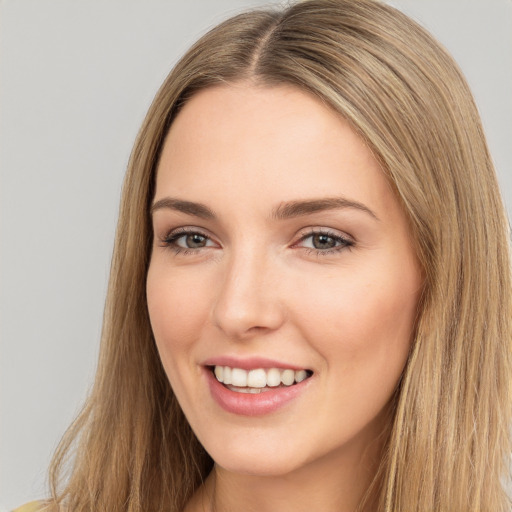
x=247, y=303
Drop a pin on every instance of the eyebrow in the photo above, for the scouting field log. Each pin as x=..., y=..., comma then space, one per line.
x=188, y=207
x=300, y=208
x=285, y=210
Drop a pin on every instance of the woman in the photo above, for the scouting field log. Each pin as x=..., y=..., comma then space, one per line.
x=310, y=211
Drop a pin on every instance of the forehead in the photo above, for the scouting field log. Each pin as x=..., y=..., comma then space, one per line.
x=279, y=143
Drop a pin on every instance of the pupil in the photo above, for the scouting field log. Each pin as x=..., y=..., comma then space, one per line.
x=194, y=241
x=323, y=242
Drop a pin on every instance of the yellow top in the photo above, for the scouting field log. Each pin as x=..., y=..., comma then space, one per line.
x=33, y=506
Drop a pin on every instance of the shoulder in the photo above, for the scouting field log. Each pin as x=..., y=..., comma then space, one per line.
x=33, y=506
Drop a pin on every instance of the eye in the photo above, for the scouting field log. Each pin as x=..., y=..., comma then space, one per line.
x=184, y=239
x=324, y=242
x=191, y=241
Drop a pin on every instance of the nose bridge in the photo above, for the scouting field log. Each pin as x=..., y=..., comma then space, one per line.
x=247, y=300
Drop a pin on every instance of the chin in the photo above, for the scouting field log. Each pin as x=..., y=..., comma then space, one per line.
x=257, y=467
x=256, y=460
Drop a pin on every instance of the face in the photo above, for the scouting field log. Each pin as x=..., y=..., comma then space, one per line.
x=282, y=265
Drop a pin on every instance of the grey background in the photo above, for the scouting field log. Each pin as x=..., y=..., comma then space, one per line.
x=76, y=79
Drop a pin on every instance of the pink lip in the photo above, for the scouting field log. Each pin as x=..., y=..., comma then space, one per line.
x=249, y=363
x=246, y=404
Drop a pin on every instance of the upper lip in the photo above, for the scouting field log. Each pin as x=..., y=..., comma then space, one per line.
x=250, y=363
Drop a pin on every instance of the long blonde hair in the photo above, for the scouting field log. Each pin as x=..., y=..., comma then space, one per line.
x=132, y=449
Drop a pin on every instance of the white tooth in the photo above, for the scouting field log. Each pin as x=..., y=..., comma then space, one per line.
x=287, y=377
x=239, y=377
x=227, y=375
x=300, y=375
x=273, y=377
x=254, y=391
x=257, y=378
x=219, y=373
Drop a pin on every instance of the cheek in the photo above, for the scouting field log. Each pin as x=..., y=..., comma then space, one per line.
x=177, y=310
x=364, y=334
x=364, y=320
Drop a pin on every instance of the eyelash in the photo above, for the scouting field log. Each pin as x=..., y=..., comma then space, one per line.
x=171, y=238
x=170, y=241
x=344, y=243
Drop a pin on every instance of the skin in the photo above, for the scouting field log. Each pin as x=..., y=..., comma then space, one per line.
x=258, y=285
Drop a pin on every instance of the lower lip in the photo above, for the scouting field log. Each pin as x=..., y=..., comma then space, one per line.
x=247, y=404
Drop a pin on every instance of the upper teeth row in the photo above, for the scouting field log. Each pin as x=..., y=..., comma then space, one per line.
x=258, y=378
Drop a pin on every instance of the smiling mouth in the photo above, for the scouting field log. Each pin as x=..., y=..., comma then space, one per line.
x=258, y=380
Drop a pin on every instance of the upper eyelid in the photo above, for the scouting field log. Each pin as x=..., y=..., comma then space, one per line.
x=183, y=230
x=326, y=231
